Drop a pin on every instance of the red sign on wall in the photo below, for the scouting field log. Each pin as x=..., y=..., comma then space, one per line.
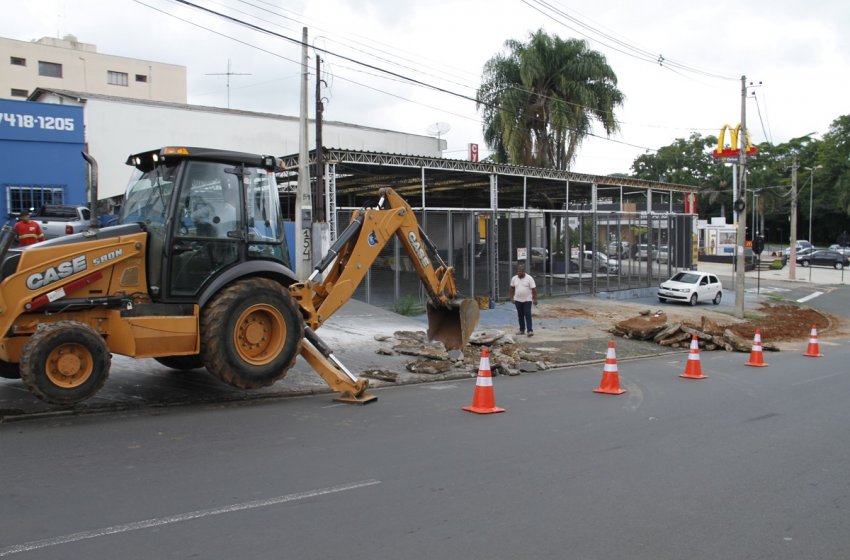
x=473, y=152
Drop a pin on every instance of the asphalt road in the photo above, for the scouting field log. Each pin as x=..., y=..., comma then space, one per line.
x=749, y=463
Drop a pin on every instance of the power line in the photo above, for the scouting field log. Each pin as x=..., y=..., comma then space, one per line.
x=398, y=77
x=626, y=47
x=764, y=131
x=371, y=66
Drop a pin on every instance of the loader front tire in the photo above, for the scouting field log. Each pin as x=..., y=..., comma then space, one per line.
x=251, y=333
x=65, y=362
x=182, y=363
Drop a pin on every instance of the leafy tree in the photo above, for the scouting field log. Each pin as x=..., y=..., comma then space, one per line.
x=769, y=174
x=834, y=156
x=539, y=101
x=690, y=162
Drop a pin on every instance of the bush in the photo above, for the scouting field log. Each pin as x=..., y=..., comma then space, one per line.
x=777, y=264
x=408, y=306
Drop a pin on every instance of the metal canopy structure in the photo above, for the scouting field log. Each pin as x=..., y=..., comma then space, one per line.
x=354, y=178
x=485, y=218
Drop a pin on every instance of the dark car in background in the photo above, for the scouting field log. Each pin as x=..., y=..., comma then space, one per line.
x=824, y=257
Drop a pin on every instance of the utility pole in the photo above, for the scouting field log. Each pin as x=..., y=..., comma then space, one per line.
x=734, y=192
x=740, y=209
x=320, y=164
x=792, y=257
x=303, y=200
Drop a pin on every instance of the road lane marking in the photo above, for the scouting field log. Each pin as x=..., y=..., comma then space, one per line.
x=179, y=518
x=811, y=296
x=767, y=289
x=822, y=378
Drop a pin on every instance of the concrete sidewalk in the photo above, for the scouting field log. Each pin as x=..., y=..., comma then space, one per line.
x=809, y=275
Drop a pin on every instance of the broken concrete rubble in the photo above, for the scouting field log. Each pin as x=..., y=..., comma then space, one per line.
x=381, y=375
x=432, y=350
x=486, y=338
x=710, y=334
x=429, y=366
x=506, y=357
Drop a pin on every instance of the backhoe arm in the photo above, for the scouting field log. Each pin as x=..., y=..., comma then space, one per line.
x=451, y=318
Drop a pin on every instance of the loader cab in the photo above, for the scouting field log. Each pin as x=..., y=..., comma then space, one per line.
x=206, y=211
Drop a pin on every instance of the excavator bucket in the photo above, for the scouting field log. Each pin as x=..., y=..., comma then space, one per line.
x=452, y=323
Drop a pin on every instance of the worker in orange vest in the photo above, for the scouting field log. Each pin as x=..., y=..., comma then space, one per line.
x=26, y=231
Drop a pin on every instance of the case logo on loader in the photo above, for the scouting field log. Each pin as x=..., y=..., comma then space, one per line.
x=420, y=252
x=53, y=274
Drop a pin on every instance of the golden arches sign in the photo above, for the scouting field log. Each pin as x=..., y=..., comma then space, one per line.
x=734, y=150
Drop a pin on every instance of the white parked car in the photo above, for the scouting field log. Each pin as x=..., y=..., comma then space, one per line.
x=620, y=249
x=646, y=252
x=600, y=261
x=692, y=287
x=539, y=254
x=840, y=249
x=803, y=247
x=663, y=254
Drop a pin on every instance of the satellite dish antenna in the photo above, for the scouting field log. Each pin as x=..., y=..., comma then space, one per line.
x=438, y=129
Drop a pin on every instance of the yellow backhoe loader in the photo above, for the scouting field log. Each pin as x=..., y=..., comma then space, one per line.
x=197, y=274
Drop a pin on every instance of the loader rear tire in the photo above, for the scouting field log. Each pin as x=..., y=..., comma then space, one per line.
x=8, y=370
x=251, y=333
x=182, y=363
x=65, y=362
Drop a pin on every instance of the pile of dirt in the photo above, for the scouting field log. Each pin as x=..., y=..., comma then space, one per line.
x=777, y=321
x=784, y=322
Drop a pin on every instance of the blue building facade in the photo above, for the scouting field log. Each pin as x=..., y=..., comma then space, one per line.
x=40, y=155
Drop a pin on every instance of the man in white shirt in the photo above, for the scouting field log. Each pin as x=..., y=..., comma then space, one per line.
x=523, y=293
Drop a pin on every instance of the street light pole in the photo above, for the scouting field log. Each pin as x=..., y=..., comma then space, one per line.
x=811, y=191
x=740, y=242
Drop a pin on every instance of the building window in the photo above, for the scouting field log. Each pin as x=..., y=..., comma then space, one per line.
x=19, y=197
x=20, y=93
x=116, y=78
x=49, y=69
x=17, y=61
x=141, y=78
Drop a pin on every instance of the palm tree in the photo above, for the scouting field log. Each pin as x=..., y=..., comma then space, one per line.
x=539, y=100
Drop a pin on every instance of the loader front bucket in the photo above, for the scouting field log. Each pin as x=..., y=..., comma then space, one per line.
x=452, y=323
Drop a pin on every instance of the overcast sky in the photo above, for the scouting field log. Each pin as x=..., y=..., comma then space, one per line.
x=798, y=50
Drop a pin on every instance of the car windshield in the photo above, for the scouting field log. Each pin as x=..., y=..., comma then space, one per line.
x=686, y=278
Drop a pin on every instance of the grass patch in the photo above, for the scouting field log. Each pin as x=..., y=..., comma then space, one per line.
x=776, y=297
x=408, y=306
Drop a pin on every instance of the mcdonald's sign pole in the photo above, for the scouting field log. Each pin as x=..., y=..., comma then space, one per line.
x=740, y=262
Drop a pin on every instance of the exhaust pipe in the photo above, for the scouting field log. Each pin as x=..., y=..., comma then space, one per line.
x=91, y=181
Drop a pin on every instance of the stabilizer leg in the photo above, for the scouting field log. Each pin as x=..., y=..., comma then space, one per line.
x=335, y=374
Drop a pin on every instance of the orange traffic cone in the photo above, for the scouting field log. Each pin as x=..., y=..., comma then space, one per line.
x=484, y=399
x=756, y=355
x=813, y=351
x=693, y=370
x=610, y=376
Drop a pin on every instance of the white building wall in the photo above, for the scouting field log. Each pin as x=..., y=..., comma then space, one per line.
x=116, y=128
